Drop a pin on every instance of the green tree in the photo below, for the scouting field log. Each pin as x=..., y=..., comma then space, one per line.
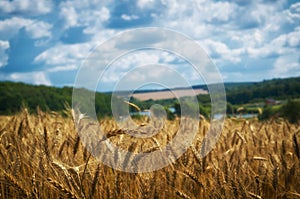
x=291, y=111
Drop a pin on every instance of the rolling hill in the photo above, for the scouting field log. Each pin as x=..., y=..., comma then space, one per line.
x=15, y=95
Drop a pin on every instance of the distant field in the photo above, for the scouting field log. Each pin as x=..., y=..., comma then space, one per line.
x=160, y=95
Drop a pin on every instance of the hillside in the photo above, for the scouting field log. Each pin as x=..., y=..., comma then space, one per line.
x=279, y=89
x=15, y=95
x=236, y=92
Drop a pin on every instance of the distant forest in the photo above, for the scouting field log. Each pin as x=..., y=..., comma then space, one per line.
x=279, y=89
x=15, y=95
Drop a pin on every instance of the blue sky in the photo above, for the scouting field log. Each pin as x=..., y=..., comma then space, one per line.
x=45, y=42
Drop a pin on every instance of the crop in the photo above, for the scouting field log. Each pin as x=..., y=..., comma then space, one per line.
x=42, y=156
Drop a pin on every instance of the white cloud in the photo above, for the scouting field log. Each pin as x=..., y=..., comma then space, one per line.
x=230, y=31
x=221, y=51
x=215, y=11
x=136, y=59
x=226, y=22
x=160, y=40
x=38, y=78
x=125, y=65
x=294, y=13
x=4, y=46
x=143, y=3
x=29, y=7
x=39, y=29
x=100, y=36
x=146, y=3
x=198, y=18
x=70, y=16
x=84, y=13
x=129, y=17
x=158, y=75
x=291, y=39
x=155, y=7
x=10, y=27
x=36, y=29
x=287, y=65
x=282, y=45
x=294, y=38
x=62, y=68
x=64, y=57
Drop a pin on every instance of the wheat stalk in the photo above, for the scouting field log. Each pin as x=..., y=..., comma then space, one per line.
x=16, y=184
x=254, y=195
x=296, y=146
x=62, y=189
x=182, y=195
x=95, y=181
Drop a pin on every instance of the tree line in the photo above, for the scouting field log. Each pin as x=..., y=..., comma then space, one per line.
x=15, y=95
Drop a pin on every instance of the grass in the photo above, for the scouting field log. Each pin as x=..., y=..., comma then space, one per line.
x=41, y=156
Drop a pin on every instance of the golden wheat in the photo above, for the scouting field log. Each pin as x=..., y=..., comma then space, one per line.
x=42, y=156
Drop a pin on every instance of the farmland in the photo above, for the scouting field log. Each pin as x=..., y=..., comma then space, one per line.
x=42, y=156
x=161, y=95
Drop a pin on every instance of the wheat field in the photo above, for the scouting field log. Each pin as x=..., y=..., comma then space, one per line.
x=42, y=156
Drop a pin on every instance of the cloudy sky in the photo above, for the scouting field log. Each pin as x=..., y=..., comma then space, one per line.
x=46, y=42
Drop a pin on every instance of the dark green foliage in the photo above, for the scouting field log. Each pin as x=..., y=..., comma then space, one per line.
x=277, y=88
x=170, y=115
x=267, y=113
x=189, y=107
x=230, y=108
x=148, y=103
x=15, y=95
x=204, y=110
x=291, y=111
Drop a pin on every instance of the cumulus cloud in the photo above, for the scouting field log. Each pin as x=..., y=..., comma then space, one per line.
x=284, y=44
x=293, y=38
x=234, y=33
x=69, y=15
x=36, y=29
x=287, y=65
x=134, y=43
x=62, y=68
x=27, y=7
x=38, y=78
x=63, y=57
x=294, y=13
x=9, y=27
x=39, y=29
x=144, y=3
x=129, y=62
x=216, y=11
x=221, y=51
x=129, y=17
x=84, y=13
x=157, y=75
x=4, y=46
